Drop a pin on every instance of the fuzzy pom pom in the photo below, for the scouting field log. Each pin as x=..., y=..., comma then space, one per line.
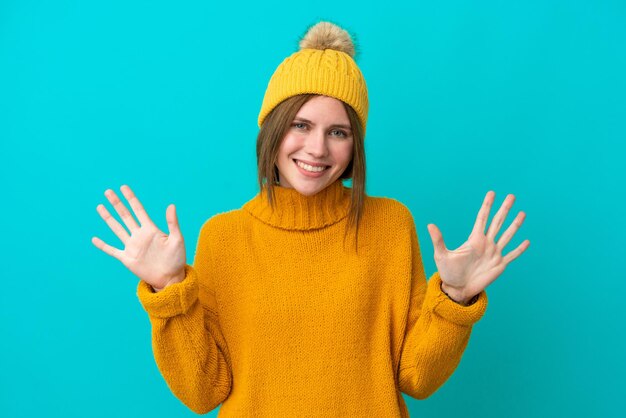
x=325, y=35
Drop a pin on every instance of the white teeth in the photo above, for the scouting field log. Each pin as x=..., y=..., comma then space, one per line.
x=310, y=167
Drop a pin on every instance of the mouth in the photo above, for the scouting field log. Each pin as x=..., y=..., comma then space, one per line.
x=310, y=168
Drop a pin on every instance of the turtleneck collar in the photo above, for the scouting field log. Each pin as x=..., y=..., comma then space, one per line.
x=296, y=211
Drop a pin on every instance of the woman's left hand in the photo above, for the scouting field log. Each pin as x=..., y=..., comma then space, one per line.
x=469, y=269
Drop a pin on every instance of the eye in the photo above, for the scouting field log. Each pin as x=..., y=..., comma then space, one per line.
x=341, y=133
x=296, y=124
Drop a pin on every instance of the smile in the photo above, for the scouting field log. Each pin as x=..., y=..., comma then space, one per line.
x=309, y=170
x=310, y=167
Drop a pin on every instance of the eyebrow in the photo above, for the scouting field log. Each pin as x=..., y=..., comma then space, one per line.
x=332, y=126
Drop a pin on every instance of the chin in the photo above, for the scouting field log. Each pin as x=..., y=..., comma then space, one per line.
x=311, y=186
x=308, y=188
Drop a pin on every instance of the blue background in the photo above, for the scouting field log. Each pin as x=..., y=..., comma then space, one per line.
x=523, y=97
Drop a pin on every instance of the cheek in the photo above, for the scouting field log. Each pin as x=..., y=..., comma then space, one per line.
x=343, y=153
x=287, y=147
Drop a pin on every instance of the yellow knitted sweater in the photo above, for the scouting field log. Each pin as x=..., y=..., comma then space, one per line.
x=275, y=319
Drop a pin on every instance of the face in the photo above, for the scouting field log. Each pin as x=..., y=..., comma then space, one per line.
x=319, y=136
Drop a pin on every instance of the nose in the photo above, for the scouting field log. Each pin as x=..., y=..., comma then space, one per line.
x=316, y=144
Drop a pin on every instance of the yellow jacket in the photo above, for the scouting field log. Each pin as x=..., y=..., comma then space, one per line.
x=275, y=319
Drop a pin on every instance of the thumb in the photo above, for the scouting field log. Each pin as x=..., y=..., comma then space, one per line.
x=437, y=239
x=172, y=220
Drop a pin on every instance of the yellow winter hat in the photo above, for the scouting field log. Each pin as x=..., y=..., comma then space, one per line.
x=324, y=65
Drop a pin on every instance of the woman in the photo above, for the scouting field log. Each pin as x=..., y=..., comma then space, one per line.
x=280, y=315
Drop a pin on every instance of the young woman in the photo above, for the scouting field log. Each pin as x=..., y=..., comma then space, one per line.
x=280, y=313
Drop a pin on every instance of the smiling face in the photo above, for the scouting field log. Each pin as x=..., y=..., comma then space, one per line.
x=319, y=136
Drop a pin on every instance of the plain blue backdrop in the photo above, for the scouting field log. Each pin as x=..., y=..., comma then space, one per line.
x=523, y=97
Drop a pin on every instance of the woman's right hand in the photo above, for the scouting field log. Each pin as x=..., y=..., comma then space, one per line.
x=153, y=256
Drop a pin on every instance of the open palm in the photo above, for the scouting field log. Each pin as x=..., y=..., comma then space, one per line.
x=469, y=269
x=152, y=255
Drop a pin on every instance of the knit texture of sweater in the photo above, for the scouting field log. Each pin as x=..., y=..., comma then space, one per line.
x=276, y=318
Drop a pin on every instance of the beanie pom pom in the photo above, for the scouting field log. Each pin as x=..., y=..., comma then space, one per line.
x=327, y=35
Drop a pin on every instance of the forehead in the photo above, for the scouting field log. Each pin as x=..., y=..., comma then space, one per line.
x=324, y=109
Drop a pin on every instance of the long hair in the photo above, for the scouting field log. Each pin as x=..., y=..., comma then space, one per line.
x=273, y=131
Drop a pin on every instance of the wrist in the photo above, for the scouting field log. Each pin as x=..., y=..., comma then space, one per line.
x=456, y=296
x=176, y=279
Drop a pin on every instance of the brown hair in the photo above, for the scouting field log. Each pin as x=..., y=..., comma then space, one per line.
x=274, y=129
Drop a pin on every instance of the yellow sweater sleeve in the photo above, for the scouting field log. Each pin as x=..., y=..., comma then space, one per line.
x=189, y=348
x=437, y=331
